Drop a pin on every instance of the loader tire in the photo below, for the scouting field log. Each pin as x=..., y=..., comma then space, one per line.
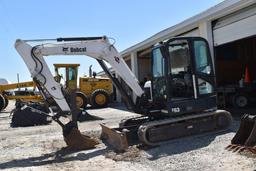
x=2, y=102
x=100, y=98
x=81, y=100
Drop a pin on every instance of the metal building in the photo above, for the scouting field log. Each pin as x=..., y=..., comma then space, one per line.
x=229, y=27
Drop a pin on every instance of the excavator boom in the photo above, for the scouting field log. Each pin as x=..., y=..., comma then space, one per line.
x=97, y=47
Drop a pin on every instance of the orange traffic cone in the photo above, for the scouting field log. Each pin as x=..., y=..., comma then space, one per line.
x=247, y=75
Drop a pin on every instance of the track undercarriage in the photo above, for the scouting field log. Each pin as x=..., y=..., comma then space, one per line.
x=156, y=130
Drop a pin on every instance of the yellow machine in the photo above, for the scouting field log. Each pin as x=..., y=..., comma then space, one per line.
x=5, y=97
x=91, y=90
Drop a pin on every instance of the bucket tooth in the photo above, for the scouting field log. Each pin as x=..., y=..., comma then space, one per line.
x=231, y=147
x=253, y=150
x=236, y=149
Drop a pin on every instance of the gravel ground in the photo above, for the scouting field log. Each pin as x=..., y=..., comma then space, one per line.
x=43, y=148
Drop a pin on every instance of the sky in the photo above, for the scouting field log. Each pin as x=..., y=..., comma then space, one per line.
x=128, y=22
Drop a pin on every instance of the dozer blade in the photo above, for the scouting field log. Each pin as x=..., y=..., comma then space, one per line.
x=76, y=140
x=245, y=138
x=125, y=135
x=116, y=138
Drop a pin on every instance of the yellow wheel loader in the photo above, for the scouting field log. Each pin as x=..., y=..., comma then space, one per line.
x=95, y=91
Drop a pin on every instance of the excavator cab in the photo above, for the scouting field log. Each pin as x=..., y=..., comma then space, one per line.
x=183, y=78
x=184, y=82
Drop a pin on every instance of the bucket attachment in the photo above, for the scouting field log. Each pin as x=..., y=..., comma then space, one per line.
x=75, y=140
x=120, y=138
x=245, y=138
x=116, y=138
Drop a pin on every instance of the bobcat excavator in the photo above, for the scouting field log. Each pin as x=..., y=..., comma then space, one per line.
x=179, y=101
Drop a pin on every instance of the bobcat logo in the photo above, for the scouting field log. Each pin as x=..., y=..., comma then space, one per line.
x=65, y=49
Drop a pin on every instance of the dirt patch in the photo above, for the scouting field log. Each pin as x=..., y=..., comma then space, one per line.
x=248, y=154
x=131, y=154
x=53, y=145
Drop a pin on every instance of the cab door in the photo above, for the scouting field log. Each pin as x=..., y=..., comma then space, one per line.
x=181, y=90
x=204, y=72
x=159, y=81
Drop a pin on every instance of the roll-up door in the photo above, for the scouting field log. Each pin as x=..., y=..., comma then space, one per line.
x=238, y=25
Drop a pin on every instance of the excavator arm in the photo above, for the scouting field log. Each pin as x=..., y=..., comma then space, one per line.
x=96, y=47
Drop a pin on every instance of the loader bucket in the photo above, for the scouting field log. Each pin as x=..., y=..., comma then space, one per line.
x=245, y=138
x=76, y=140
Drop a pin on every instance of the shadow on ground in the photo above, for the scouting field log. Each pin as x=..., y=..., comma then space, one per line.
x=239, y=112
x=4, y=111
x=166, y=149
x=4, y=117
x=61, y=156
x=119, y=106
x=185, y=144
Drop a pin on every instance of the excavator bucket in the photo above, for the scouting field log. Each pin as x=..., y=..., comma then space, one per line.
x=76, y=140
x=245, y=138
x=72, y=136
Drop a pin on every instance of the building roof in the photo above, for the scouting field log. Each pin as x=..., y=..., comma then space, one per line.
x=4, y=81
x=224, y=8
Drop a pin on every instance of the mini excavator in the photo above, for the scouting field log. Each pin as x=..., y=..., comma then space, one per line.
x=179, y=101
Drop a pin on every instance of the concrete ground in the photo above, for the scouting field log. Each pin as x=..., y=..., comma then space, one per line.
x=42, y=148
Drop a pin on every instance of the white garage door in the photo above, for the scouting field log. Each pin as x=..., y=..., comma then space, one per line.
x=235, y=26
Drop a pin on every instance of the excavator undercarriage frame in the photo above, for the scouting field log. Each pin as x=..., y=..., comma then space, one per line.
x=149, y=130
